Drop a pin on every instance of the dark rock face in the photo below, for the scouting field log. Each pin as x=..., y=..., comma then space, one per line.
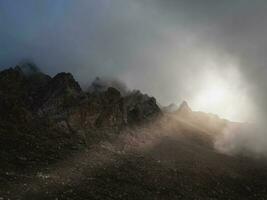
x=37, y=111
x=140, y=108
x=98, y=116
x=60, y=93
x=24, y=133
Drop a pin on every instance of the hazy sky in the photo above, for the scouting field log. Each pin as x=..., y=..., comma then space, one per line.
x=211, y=53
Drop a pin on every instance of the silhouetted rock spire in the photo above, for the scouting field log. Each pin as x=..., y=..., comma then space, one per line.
x=184, y=108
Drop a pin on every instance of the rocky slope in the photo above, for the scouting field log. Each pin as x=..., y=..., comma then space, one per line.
x=60, y=142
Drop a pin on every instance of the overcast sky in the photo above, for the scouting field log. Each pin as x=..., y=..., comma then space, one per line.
x=171, y=49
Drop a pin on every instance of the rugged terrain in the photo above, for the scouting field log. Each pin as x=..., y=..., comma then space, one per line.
x=60, y=142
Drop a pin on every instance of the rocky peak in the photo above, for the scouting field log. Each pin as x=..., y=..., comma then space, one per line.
x=24, y=88
x=64, y=81
x=24, y=75
x=112, y=94
x=184, y=108
x=28, y=68
x=61, y=98
x=11, y=74
x=12, y=81
x=59, y=94
x=140, y=107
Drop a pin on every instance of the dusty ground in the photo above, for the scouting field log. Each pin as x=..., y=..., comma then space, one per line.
x=176, y=161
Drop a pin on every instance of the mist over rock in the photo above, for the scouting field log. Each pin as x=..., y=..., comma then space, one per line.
x=140, y=107
x=102, y=84
x=209, y=122
x=184, y=108
x=28, y=68
x=170, y=108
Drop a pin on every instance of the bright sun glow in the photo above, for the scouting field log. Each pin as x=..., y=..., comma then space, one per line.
x=224, y=96
x=212, y=96
x=215, y=99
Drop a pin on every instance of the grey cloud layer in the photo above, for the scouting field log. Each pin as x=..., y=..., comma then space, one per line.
x=154, y=45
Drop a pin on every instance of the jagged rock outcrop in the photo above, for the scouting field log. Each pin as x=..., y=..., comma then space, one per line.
x=140, y=108
x=59, y=94
x=45, y=118
x=98, y=115
x=184, y=109
x=14, y=95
